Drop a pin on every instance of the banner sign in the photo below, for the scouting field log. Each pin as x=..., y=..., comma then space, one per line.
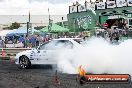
x=111, y=4
x=121, y=3
x=100, y=5
x=108, y=78
x=73, y=9
x=114, y=17
x=129, y=2
x=81, y=8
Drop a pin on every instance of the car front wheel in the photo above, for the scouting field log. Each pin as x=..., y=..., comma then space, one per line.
x=24, y=62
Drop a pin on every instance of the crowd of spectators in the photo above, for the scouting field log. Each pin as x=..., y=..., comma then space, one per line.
x=26, y=41
x=33, y=41
x=115, y=35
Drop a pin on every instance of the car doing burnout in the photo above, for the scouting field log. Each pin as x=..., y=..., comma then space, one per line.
x=46, y=53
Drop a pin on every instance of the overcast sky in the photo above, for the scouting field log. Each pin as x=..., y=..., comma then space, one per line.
x=36, y=7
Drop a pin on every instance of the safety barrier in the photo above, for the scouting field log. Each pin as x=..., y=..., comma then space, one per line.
x=11, y=52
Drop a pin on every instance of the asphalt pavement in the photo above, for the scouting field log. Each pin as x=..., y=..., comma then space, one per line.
x=42, y=77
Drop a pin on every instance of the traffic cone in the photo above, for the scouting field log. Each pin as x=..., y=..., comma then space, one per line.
x=2, y=62
x=57, y=82
x=9, y=62
x=3, y=53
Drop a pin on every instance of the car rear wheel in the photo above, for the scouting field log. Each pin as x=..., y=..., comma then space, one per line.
x=24, y=62
x=54, y=66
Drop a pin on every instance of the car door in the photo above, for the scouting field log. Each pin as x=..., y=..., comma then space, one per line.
x=58, y=46
x=40, y=54
x=51, y=53
x=46, y=53
x=51, y=50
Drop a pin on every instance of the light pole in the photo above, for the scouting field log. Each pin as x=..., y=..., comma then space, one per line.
x=27, y=27
x=74, y=24
x=49, y=26
x=62, y=22
x=28, y=23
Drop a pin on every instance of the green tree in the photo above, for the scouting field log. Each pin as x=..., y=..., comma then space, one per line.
x=14, y=25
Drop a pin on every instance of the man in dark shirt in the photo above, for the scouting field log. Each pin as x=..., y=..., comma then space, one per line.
x=120, y=25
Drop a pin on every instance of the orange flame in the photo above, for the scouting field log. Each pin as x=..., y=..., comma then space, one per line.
x=81, y=71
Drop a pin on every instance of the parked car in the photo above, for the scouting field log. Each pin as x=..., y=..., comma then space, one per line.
x=46, y=53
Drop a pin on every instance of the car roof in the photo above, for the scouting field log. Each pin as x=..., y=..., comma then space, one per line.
x=67, y=38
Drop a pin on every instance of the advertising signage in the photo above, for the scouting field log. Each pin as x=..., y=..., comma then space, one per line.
x=129, y=2
x=111, y=4
x=90, y=6
x=100, y=5
x=108, y=78
x=121, y=3
x=73, y=9
x=81, y=8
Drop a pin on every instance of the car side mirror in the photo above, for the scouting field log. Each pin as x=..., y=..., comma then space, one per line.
x=34, y=49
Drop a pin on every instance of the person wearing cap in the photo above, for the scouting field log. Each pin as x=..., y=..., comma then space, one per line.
x=105, y=25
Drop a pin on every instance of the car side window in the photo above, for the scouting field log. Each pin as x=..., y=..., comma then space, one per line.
x=42, y=47
x=47, y=46
x=56, y=44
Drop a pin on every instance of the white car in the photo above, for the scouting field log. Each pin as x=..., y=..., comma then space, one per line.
x=45, y=53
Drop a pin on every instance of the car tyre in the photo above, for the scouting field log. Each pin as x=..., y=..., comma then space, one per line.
x=24, y=62
x=54, y=66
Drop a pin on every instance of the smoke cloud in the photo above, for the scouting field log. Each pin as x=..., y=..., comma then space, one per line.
x=97, y=56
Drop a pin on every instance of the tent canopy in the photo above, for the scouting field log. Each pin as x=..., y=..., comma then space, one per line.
x=20, y=31
x=5, y=32
x=55, y=28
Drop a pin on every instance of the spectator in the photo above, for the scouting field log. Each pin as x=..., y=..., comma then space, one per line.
x=120, y=24
x=32, y=41
x=21, y=40
x=105, y=25
x=115, y=38
x=38, y=40
x=1, y=45
x=46, y=38
x=27, y=42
